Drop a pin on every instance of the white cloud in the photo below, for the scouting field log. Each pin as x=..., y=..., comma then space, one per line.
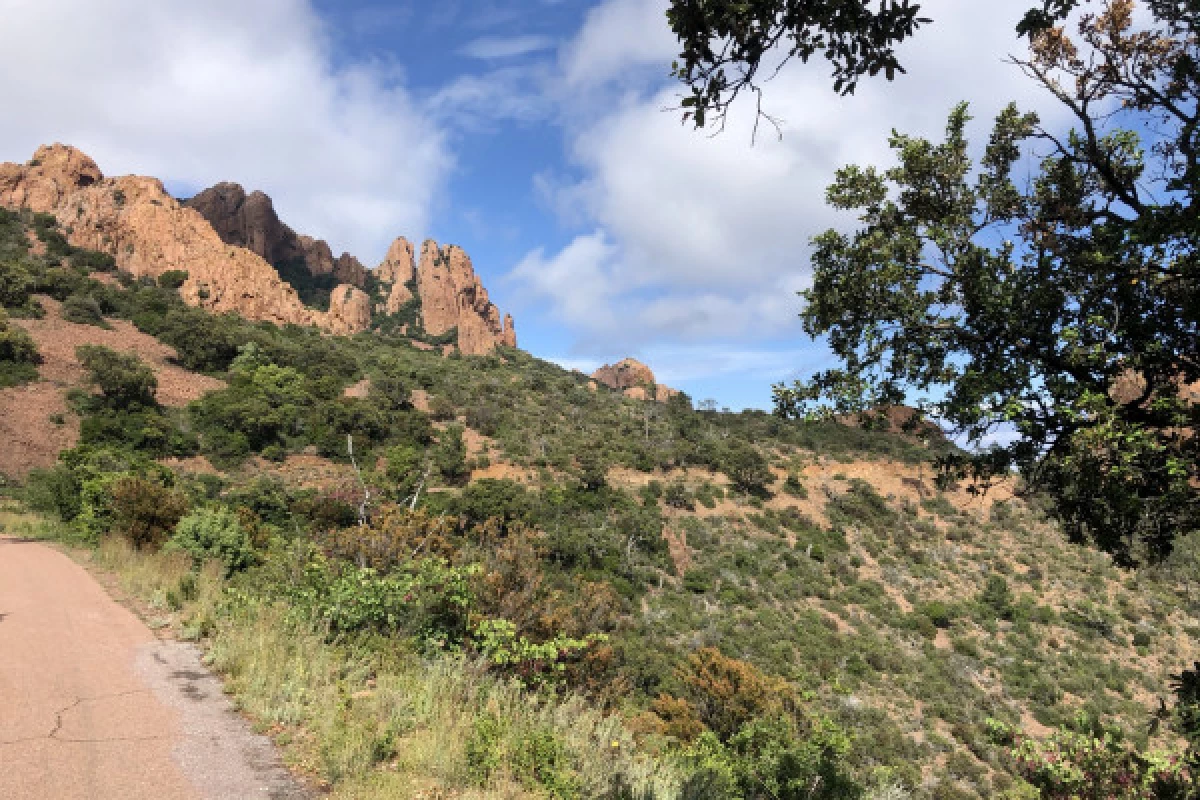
x=477, y=102
x=707, y=238
x=494, y=47
x=195, y=93
x=618, y=38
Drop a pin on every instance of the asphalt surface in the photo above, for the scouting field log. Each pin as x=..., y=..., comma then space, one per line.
x=93, y=706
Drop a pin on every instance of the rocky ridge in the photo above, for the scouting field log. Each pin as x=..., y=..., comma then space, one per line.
x=450, y=294
x=634, y=379
x=230, y=243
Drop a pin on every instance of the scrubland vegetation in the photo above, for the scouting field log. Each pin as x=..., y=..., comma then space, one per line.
x=607, y=597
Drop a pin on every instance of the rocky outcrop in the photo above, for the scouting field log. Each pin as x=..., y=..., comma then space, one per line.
x=250, y=221
x=349, y=310
x=232, y=245
x=634, y=379
x=148, y=232
x=399, y=269
x=451, y=295
x=247, y=220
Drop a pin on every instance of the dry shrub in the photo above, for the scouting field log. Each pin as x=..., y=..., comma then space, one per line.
x=145, y=512
x=727, y=692
x=395, y=536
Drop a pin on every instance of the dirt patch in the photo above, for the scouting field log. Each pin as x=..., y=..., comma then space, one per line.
x=507, y=472
x=477, y=444
x=303, y=470
x=36, y=246
x=892, y=479
x=420, y=400
x=57, y=339
x=30, y=439
x=677, y=546
x=193, y=465
x=360, y=389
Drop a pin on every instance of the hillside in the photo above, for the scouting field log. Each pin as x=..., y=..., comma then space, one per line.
x=567, y=536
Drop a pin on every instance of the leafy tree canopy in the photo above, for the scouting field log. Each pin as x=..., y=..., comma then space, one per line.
x=1065, y=307
x=724, y=43
x=124, y=380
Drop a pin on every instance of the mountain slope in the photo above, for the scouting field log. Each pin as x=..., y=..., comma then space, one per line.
x=817, y=563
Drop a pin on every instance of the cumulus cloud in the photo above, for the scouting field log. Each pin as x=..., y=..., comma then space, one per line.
x=619, y=39
x=195, y=93
x=707, y=237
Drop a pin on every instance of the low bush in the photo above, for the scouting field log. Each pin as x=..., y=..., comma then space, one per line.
x=173, y=278
x=214, y=533
x=144, y=511
x=83, y=310
x=16, y=283
x=124, y=380
x=18, y=354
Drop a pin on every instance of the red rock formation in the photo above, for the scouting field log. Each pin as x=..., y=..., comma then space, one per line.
x=315, y=254
x=398, y=269
x=509, y=336
x=349, y=310
x=229, y=241
x=348, y=269
x=250, y=221
x=247, y=220
x=148, y=232
x=451, y=294
x=634, y=379
x=452, y=297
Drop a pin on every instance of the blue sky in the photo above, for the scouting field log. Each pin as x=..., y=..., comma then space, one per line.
x=530, y=132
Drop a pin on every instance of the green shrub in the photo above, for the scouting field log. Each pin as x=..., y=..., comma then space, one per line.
x=772, y=758
x=55, y=491
x=996, y=600
x=677, y=496
x=794, y=487
x=214, y=533
x=124, y=380
x=15, y=283
x=539, y=760
x=83, y=310
x=450, y=455
x=18, y=354
x=939, y=613
x=746, y=467
x=482, y=748
x=172, y=278
x=93, y=261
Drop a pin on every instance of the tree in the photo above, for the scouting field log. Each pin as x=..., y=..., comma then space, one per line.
x=723, y=43
x=124, y=380
x=1066, y=308
x=449, y=456
x=18, y=354
x=747, y=468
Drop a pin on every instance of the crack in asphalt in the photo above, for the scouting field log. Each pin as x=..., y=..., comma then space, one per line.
x=58, y=723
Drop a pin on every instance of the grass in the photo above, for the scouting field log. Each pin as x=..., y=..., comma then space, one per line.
x=366, y=720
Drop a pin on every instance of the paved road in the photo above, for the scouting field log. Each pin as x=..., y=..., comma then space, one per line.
x=93, y=706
